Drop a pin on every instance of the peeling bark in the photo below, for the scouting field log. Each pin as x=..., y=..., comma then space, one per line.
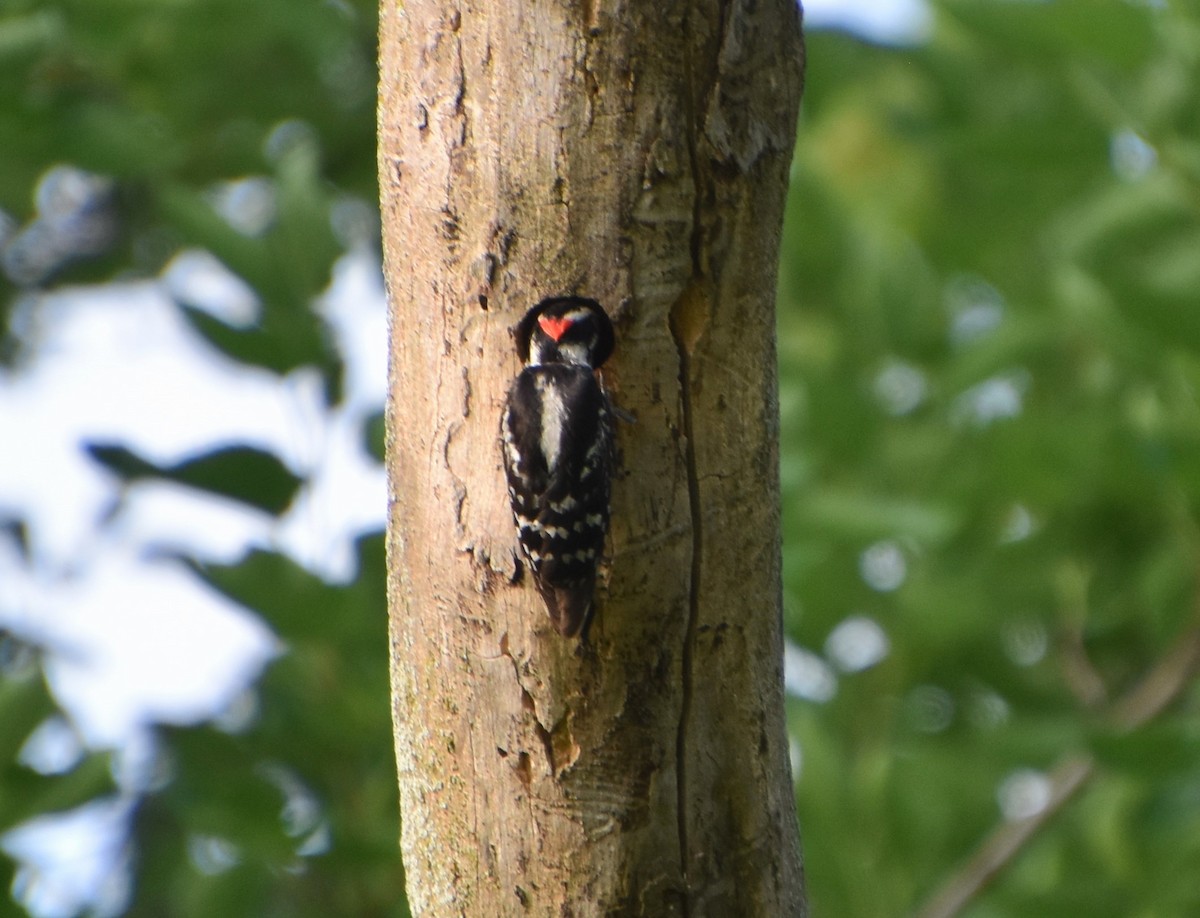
x=637, y=153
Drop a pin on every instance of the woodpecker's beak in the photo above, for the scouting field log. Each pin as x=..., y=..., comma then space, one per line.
x=553, y=327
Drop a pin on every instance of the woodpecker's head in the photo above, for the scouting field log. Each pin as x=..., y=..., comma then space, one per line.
x=565, y=329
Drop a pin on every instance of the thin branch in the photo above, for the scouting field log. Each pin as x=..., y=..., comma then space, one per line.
x=1164, y=682
x=1162, y=685
x=1006, y=841
x=1082, y=678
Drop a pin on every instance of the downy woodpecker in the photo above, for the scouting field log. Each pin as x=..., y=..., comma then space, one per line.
x=559, y=454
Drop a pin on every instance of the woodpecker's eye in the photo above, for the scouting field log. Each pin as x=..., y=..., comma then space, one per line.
x=553, y=327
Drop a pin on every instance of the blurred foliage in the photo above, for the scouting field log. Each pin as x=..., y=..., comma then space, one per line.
x=989, y=356
x=180, y=104
x=297, y=814
x=132, y=130
x=25, y=703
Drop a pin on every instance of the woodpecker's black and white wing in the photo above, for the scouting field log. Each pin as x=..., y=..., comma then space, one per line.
x=558, y=451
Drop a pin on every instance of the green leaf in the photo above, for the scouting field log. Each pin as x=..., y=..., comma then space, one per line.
x=25, y=794
x=240, y=473
x=375, y=435
x=24, y=703
x=298, y=604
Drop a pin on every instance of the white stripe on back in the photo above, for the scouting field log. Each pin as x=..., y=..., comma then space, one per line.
x=553, y=417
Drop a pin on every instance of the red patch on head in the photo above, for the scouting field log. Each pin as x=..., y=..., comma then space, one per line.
x=553, y=327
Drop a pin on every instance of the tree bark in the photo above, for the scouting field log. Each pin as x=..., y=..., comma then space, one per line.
x=636, y=153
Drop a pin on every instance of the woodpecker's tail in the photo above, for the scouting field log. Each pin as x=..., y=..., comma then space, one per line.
x=570, y=607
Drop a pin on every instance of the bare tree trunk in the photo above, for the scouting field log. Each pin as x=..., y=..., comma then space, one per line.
x=637, y=153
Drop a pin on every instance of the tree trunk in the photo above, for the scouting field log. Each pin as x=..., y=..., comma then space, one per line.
x=636, y=153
